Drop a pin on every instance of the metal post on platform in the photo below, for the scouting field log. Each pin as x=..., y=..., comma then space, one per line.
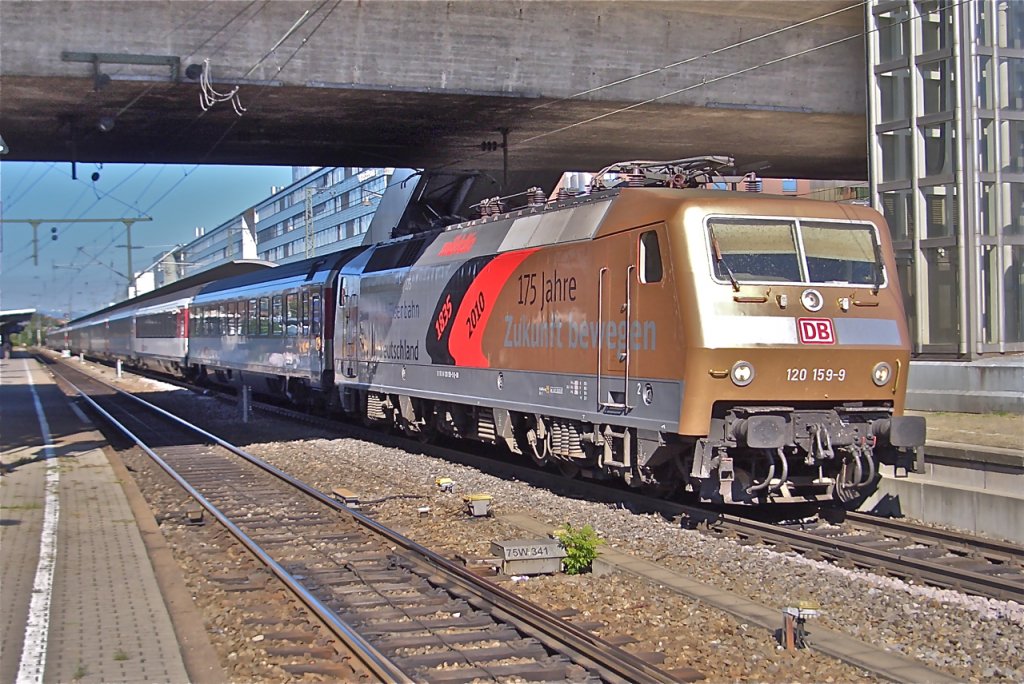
x=246, y=402
x=119, y=369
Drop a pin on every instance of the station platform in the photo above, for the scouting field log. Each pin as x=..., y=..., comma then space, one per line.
x=80, y=598
x=970, y=475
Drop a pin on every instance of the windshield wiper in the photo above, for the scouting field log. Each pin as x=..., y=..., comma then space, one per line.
x=720, y=260
x=879, y=269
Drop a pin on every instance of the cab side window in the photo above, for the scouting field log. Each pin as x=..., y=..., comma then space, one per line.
x=650, y=258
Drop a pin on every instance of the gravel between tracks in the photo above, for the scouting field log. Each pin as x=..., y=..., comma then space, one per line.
x=969, y=637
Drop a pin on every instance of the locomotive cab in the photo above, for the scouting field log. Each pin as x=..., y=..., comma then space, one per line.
x=797, y=360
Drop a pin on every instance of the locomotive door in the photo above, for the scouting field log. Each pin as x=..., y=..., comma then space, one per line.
x=616, y=291
x=348, y=325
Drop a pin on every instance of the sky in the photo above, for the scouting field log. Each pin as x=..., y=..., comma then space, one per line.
x=83, y=268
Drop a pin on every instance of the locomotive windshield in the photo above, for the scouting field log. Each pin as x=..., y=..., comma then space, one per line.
x=773, y=250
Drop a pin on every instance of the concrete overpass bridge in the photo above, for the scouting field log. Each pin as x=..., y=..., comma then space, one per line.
x=423, y=84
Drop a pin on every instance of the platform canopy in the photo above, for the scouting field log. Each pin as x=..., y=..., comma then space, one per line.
x=13, y=321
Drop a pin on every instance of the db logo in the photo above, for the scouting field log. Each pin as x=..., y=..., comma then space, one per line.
x=816, y=330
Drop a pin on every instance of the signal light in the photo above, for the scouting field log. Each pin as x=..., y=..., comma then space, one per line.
x=489, y=145
x=881, y=373
x=742, y=373
x=53, y=233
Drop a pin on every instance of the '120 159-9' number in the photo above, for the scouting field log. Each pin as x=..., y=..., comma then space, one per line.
x=815, y=374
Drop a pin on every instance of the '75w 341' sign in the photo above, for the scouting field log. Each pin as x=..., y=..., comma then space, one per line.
x=816, y=330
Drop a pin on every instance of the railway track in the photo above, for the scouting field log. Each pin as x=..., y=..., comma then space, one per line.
x=394, y=610
x=898, y=548
x=910, y=551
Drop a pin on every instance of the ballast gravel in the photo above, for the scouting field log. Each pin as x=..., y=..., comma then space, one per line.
x=978, y=640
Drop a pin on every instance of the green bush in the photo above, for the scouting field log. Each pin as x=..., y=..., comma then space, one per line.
x=580, y=548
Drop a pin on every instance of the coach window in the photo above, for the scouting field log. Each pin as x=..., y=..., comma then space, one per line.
x=291, y=315
x=254, y=317
x=264, y=316
x=315, y=310
x=277, y=324
x=650, y=258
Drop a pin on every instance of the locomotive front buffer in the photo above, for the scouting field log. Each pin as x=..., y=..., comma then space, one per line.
x=782, y=453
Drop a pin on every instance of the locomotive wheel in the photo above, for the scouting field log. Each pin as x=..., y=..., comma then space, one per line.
x=659, y=490
x=569, y=470
x=666, y=484
x=427, y=433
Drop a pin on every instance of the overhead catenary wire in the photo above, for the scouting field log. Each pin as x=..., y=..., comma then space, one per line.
x=8, y=204
x=86, y=187
x=216, y=50
x=694, y=86
x=281, y=68
x=210, y=96
x=688, y=60
x=139, y=97
x=147, y=90
x=703, y=82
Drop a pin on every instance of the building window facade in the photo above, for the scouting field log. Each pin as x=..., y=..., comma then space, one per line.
x=946, y=118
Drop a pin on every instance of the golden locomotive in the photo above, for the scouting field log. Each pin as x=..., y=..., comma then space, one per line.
x=746, y=347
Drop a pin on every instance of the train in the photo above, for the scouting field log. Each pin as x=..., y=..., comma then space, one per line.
x=734, y=347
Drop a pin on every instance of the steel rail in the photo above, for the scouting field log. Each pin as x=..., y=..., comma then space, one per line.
x=594, y=652
x=374, y=661
x=895, y=563
x=1004, y=551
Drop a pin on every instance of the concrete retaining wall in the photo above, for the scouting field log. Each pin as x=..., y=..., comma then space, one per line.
x=979, y=491
x=985, y=386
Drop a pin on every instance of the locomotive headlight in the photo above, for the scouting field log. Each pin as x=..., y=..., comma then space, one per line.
x=881, y=373
x=812, y=300
x=742, y=373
